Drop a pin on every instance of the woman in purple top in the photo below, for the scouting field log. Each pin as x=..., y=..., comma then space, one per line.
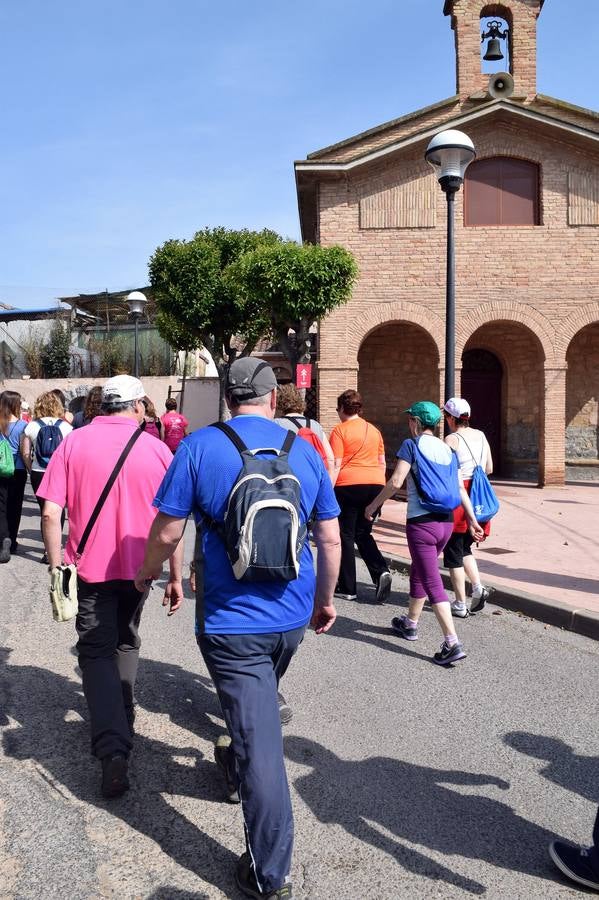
x=12, y=489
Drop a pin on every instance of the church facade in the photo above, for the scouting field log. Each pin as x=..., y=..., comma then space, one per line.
x=527, y=258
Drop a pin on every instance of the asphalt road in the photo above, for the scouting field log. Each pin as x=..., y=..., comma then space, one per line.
x=408, y=781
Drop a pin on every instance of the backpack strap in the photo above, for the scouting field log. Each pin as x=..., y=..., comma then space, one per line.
x=107, y=487
x=288, y=442
x=232, y=435
x=297, y=421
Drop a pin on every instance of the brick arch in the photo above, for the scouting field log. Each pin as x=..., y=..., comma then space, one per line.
x=569, y=328
x=507, y=311
x=400, y=311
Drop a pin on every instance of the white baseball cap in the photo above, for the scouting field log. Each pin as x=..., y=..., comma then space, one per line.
x=122, y=389
x=457, y=407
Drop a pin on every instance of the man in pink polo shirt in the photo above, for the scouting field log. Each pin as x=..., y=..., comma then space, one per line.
x=109, y=605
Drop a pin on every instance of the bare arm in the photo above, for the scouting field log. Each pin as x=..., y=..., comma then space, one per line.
x=164, y=542
x=328, y=546
x=26, y=448
x=489, y=462
x=394, y=484
x=330, y=463
x=52, y=532
x=475, y=529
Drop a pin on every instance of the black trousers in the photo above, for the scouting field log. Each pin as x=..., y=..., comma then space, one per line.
x=36, y=480
x=16, y=492
x=4, y=508
x=108, y=648
x=246, y=669
x=355, y=529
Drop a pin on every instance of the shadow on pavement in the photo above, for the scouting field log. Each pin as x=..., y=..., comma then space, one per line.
x=565, y=767
x=414, y=804
x=377, y=636
x=533, y=576
x=39, y=700
x=171, y=893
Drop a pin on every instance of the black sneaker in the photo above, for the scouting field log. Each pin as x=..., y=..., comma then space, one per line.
x=5, y=550
x=383, y=588
x=114, y=775
x=478, y=603
x=246, y=882
x=448, y=655
x=285, y=711
x=575, y=864
x=222, y=757
x=459, y=611
x=400, y=626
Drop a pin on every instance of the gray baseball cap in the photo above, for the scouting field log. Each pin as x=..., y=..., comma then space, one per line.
x=249, y=377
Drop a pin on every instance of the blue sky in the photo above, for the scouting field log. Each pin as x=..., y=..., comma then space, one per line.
x=129, y=122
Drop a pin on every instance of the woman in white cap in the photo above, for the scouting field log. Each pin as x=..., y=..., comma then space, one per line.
x=472, y=449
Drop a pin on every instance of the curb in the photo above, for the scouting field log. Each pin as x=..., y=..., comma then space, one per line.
x=554, y=612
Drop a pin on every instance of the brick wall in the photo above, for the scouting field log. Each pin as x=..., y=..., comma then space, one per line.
x=544, y=280
x=582, y=422
x=399, y=365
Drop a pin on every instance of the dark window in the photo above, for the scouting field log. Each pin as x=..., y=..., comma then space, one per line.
x=501, y=191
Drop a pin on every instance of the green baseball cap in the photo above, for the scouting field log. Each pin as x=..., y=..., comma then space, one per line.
x=428, y=413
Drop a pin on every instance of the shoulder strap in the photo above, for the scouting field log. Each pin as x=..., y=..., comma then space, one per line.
x=107, y=487
x=288, y=442
x=231, y=434
x=296, y=421
x=468, y=448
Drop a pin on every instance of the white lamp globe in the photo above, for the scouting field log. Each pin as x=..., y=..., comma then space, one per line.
x=136, y=301
x=450, y=153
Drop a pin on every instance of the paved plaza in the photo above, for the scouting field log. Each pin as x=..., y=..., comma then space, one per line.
x=408, y=781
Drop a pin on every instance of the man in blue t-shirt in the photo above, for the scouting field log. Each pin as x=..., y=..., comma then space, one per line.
x=248, y=631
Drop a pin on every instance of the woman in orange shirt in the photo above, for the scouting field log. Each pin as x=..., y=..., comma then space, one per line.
x=360, y=472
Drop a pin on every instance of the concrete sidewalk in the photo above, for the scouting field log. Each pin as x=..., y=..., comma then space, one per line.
x=542, y=556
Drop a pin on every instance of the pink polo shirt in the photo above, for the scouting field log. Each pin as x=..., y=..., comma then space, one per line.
x=76, y=474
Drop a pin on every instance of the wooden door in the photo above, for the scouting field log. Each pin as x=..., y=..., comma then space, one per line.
x=482, y=377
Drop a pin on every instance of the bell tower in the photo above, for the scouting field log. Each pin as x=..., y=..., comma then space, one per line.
x=469, y=20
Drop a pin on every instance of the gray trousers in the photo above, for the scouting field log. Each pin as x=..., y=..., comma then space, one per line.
x=246, y=669
x=108, y=649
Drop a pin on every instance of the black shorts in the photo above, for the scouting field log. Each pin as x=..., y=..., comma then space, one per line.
x=457, y=547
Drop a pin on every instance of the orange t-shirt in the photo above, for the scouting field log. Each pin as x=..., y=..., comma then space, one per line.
x=359, y=444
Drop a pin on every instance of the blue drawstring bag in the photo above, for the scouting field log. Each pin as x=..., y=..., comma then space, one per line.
x=437, y=484
x=482, y=496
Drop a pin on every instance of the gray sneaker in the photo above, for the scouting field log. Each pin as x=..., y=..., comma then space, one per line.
x=448, y=655
x=400, y=626
x=5, y=550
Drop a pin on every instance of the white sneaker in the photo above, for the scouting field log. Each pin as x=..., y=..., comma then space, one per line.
x=478, y=600
x=459, y=610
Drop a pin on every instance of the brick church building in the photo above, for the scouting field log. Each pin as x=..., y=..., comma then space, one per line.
x=527, y=258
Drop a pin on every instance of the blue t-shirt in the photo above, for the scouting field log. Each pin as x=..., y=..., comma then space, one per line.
x=14, y=430
x=435, y=450
x=204, y=469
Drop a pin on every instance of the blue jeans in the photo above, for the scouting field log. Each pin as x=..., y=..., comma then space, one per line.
x=246, y=669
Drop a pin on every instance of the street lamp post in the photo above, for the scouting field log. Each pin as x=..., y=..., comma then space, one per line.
x=136, y=301
x=450, y=153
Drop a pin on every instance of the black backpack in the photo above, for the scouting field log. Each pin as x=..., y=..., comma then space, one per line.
x=262, y=531
x=47, y=440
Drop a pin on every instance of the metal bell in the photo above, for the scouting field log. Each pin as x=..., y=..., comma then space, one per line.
x=493, y=53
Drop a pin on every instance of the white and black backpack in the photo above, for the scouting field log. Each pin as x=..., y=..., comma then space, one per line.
x=262, y=531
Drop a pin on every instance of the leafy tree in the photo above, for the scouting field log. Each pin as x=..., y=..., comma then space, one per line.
x=299, y=284
x=198, y=305
x=56, y=354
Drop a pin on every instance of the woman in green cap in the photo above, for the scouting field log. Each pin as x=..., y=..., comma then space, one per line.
x=428, y=528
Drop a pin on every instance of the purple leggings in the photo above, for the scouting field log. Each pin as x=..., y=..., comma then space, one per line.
x=426, y=541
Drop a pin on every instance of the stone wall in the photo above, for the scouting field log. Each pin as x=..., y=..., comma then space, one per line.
x=200, y=403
